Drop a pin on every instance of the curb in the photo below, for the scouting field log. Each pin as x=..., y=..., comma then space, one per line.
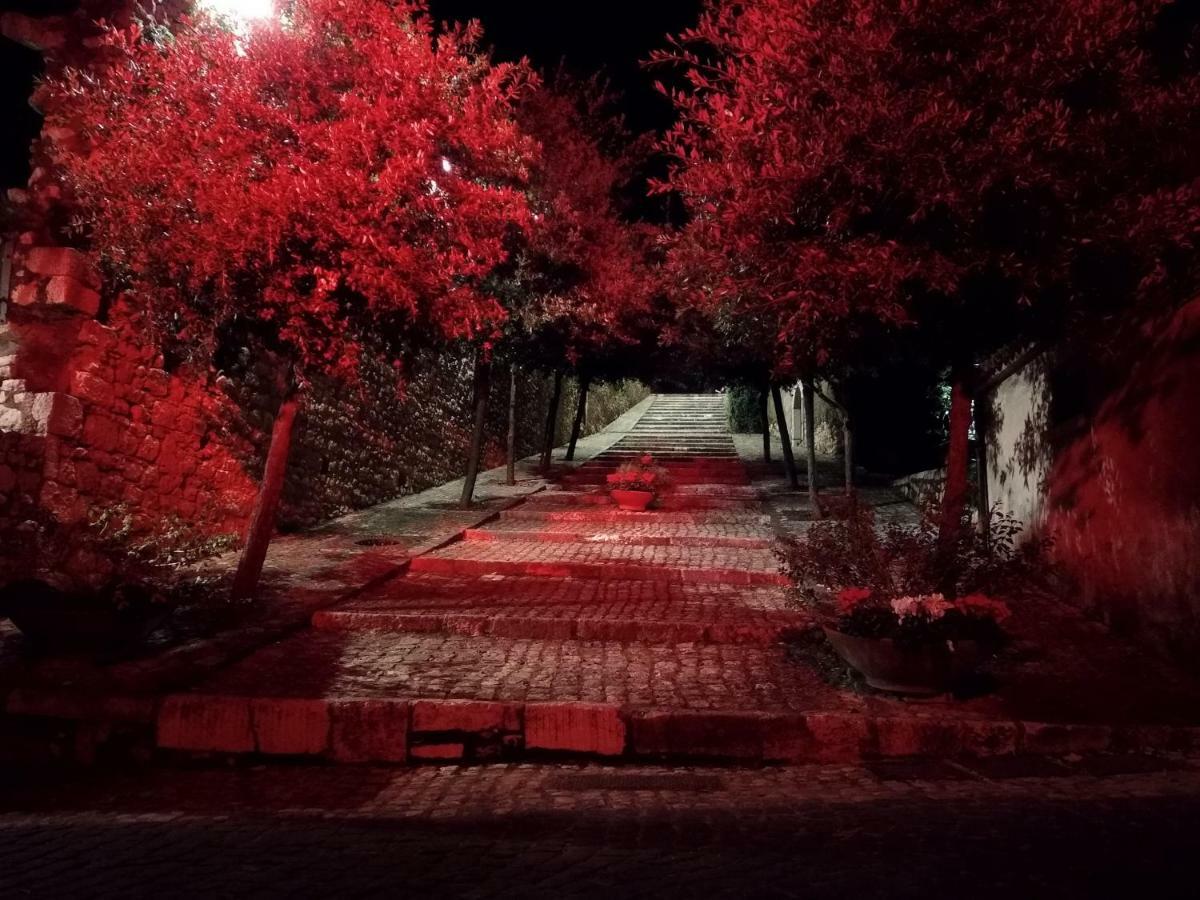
x=372, y=730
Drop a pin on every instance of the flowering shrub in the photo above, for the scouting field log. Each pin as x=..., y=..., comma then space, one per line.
x=898, y=582
x=641, y=474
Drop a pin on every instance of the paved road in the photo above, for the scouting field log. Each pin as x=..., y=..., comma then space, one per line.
x=1056, y=830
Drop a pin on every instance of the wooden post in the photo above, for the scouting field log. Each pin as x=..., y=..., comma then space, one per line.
x=266, y=504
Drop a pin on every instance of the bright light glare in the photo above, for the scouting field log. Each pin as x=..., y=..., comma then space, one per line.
x=243, y=10
x=446, y=166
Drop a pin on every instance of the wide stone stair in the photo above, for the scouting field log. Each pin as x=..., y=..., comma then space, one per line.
x=566, y=627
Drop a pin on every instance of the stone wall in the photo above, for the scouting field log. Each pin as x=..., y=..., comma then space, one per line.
x=1116, y=483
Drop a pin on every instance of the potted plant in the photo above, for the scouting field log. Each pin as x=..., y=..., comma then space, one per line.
x=634, y=485
x=911, y=615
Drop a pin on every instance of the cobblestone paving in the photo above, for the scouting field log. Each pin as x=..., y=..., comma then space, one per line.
x=1045, y=828
x=512, y=625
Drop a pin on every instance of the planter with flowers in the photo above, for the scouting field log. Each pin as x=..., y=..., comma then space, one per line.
x=910, y=615
x=635, y=484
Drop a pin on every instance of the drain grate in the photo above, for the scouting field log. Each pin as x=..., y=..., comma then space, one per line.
x=618, y=781
x=378, y=542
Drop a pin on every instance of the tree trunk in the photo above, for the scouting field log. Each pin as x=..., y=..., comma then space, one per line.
x=766, y=423
x=551, y=423
x=266, y=505
x=810, y=442
x=510, y=475
x=580, y=410
x=785, y=439
x=483, y=379
x=954, y=497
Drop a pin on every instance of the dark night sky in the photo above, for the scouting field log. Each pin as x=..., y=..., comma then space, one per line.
x=609, y=36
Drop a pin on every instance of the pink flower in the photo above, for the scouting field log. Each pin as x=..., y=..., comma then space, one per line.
x=646, y=459
x=849, y=599
x=648, y=477
x=929, y=606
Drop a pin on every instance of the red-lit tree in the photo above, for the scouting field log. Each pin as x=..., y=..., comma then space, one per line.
x=327, y=185
x=583, y=273
x=953, y=164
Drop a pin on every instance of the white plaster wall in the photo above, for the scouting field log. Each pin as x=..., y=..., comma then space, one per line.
x=1018, y=457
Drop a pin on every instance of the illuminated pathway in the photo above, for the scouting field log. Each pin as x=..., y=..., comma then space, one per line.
x=564, y=627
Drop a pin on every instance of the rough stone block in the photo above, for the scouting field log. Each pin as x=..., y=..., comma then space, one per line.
x=27, y=294
x=579, y=727
x=60, y=261
x=1041, y=737
x=838, y=737
x=905, y=736
x=464, y=715
x=205, y=723
x=62, y=290
x=57, y=414
x=711, y=735
x=437, y=751
x=290, y=726
x=367, y=731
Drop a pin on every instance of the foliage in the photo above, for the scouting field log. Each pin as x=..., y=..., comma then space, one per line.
x=641, y=474
x=898, y=581
x=855, y=161
x=579, y=281
x=112, y=551
x=339, y=179
x=745, y=409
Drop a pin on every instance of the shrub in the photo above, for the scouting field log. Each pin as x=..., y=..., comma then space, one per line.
x=745, y=410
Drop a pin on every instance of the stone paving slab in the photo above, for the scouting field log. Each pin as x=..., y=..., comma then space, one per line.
x=643, y=533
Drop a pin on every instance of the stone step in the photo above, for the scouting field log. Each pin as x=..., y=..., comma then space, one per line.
x=677, y=478
x=600, y=514
x=720, y=565
x=648, y=535
x=543, y=608
x=372, y=697
x=668, y=502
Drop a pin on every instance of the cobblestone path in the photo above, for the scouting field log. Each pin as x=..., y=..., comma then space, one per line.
x=1113, y=827
x=566, y=626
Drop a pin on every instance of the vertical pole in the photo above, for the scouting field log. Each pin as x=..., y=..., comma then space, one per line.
x=764, y=403
x=954, y=496
x=982, y=407
x=810, y=440
x=785, y=439
x=510, y=475
x=483, y=372
x=580, y=411
x=551, y=422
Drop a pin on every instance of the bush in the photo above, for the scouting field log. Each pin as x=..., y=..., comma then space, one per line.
x=898, y=582
x=745, y=410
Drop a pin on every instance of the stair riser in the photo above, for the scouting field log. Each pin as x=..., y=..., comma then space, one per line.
x=602, y=571
x=637, y=540
x=578, y=629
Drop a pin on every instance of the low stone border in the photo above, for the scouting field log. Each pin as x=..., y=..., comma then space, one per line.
x=358, y=730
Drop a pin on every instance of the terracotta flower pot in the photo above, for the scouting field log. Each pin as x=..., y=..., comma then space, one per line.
x=932, y=668
x=632, y=501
